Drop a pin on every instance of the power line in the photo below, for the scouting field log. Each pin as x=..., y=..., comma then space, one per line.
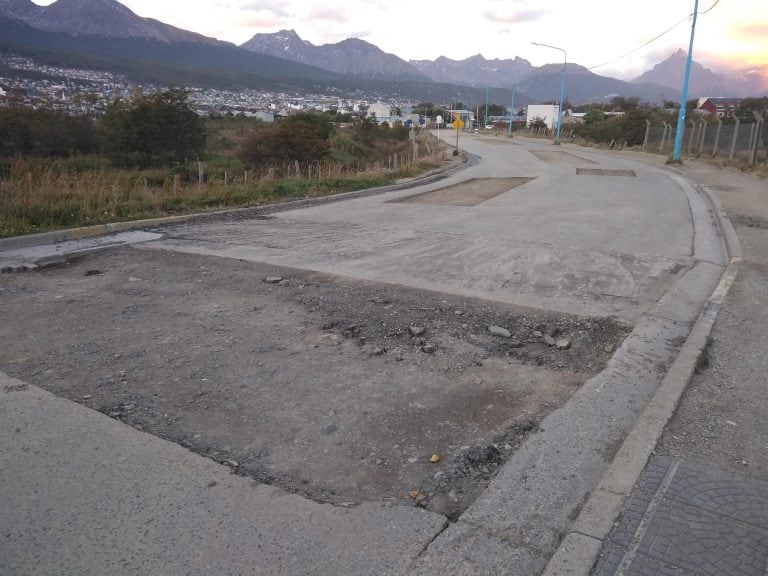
x=641, y=46
x=549, y=79
x=710, y=8
x=653, y=39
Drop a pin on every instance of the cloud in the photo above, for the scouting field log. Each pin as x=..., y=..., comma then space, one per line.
x=334, y=14
x=261, y=23
x=515, y=17
x=279, y=9
x=380, y=4
x=756, y=31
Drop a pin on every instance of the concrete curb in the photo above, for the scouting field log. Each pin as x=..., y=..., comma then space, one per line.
x=57, y=236
x=579, y=550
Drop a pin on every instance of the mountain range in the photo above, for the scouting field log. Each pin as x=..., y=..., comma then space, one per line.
x=106, y=34
x=752, y=81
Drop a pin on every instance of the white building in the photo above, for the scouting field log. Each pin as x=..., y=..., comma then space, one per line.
x=546, y=112
x=380, y=109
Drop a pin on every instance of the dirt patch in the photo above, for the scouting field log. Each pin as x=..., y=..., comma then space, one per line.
x=496, y=141
x=340, y=390
x=750, y=221
x=604, y=172
x=560, y=157
x=469, y=193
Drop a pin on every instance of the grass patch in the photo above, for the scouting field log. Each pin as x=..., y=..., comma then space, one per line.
x=40, y=197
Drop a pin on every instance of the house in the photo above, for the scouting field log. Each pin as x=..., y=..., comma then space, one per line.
x=467, y=118
x=571, y=117
x=382, y=111
x=718, y=106
x=546, y=112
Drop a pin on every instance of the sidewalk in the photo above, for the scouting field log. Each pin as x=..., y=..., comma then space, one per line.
x=701, y=504
x=133, y=503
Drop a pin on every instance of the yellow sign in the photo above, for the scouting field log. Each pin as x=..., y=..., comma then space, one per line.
x=457, y=123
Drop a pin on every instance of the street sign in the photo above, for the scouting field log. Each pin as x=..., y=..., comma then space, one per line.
x=457, y=123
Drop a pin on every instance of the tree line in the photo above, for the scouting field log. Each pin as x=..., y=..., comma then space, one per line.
x=162, y=129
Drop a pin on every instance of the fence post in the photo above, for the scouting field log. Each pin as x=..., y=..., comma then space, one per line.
x=691, y=137
x=735, y=137
x=757, y=126
x=647, y=134
x=702, y=137
x=200, y=173
x=715, y=148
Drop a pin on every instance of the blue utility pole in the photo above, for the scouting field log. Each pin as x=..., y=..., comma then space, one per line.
x=684, y=97
x=512, y=109
x=562, y=87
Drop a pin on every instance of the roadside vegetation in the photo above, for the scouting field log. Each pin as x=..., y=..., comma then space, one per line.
x=151, y=156
x=628, y=130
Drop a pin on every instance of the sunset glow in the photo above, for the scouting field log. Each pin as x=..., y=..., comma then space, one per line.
x=732, y=35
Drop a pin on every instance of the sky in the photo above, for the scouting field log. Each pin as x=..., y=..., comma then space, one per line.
x=732, y=35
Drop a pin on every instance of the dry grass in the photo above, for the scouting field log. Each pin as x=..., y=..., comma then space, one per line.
x=35, y=197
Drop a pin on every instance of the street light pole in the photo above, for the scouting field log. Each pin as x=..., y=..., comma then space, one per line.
x=562, y=86
x=512, y=110
x=684, y=97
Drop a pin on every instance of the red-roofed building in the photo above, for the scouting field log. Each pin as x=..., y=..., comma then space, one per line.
x=719, y=106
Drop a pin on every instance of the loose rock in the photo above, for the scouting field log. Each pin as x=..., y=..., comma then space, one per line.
x=417, y=330
x=548, y=340
x=499, y=331
x=563, y=344
x=273, y=279
x=429, y=348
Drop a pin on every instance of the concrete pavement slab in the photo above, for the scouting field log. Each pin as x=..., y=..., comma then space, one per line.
x=83, y=494
x=587, y=245
x=41, y=254
x=467, y=550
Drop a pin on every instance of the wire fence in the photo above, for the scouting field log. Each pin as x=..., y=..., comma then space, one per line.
x=743, y=141
x=714, y=138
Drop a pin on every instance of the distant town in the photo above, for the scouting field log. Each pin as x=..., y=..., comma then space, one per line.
x=81, y=91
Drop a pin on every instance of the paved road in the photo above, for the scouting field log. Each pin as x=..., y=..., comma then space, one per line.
x=584, y=233
x=587, y=244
